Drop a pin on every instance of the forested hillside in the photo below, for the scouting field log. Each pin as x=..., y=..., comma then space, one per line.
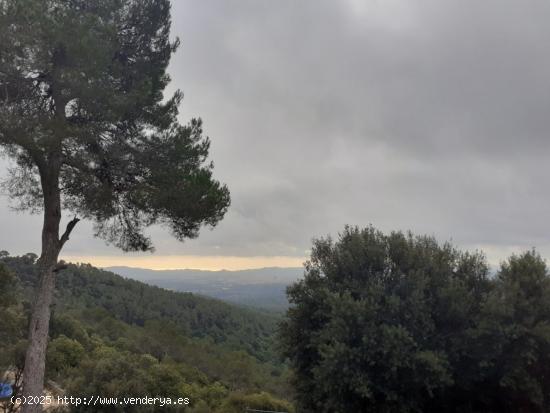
x=119, y=337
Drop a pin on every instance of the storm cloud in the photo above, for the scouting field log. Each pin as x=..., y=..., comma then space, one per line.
x=431, y=116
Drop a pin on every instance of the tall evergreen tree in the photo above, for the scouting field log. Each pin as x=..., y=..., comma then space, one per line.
x=82, y=114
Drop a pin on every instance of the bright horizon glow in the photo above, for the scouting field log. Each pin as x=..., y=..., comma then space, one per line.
x=196, y=262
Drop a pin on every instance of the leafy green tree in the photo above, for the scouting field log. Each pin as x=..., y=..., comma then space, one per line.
x=204, y=399
x=111, y=373
x=82, y=114
x=237, y=403
x=63, y=354
x=381, y=323
x=68, y=326
x=514, y=337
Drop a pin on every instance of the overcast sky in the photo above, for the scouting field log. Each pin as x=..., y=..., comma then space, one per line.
x=432, y=116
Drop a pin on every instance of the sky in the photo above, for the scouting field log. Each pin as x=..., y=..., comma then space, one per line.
x=431, y=116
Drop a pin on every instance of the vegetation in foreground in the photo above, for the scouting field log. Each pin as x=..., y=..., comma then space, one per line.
x=398, y=323
x=115, y=337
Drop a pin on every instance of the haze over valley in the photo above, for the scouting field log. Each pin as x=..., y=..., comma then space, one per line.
x=262, y=288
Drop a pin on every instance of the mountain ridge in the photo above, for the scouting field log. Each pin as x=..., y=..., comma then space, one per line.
x=263, y=288
x=264, y=274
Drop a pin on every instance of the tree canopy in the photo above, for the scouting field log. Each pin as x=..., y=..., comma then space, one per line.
x=82, y=110
x=398, y=323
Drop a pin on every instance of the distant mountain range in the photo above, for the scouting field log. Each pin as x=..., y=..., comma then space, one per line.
x=261, y=288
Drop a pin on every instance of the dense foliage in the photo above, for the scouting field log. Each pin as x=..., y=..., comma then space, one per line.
x=397, y=323
x=84, y=115
x=116, y=337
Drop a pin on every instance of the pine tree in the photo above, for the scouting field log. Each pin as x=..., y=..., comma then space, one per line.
x=83, y=116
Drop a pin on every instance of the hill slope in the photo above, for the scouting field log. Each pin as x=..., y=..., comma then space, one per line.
x=134, y=302
x=120, y=337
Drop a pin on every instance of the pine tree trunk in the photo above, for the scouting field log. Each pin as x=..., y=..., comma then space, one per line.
x=35, y=359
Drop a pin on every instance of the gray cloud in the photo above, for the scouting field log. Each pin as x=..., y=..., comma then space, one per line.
x=429, y=115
